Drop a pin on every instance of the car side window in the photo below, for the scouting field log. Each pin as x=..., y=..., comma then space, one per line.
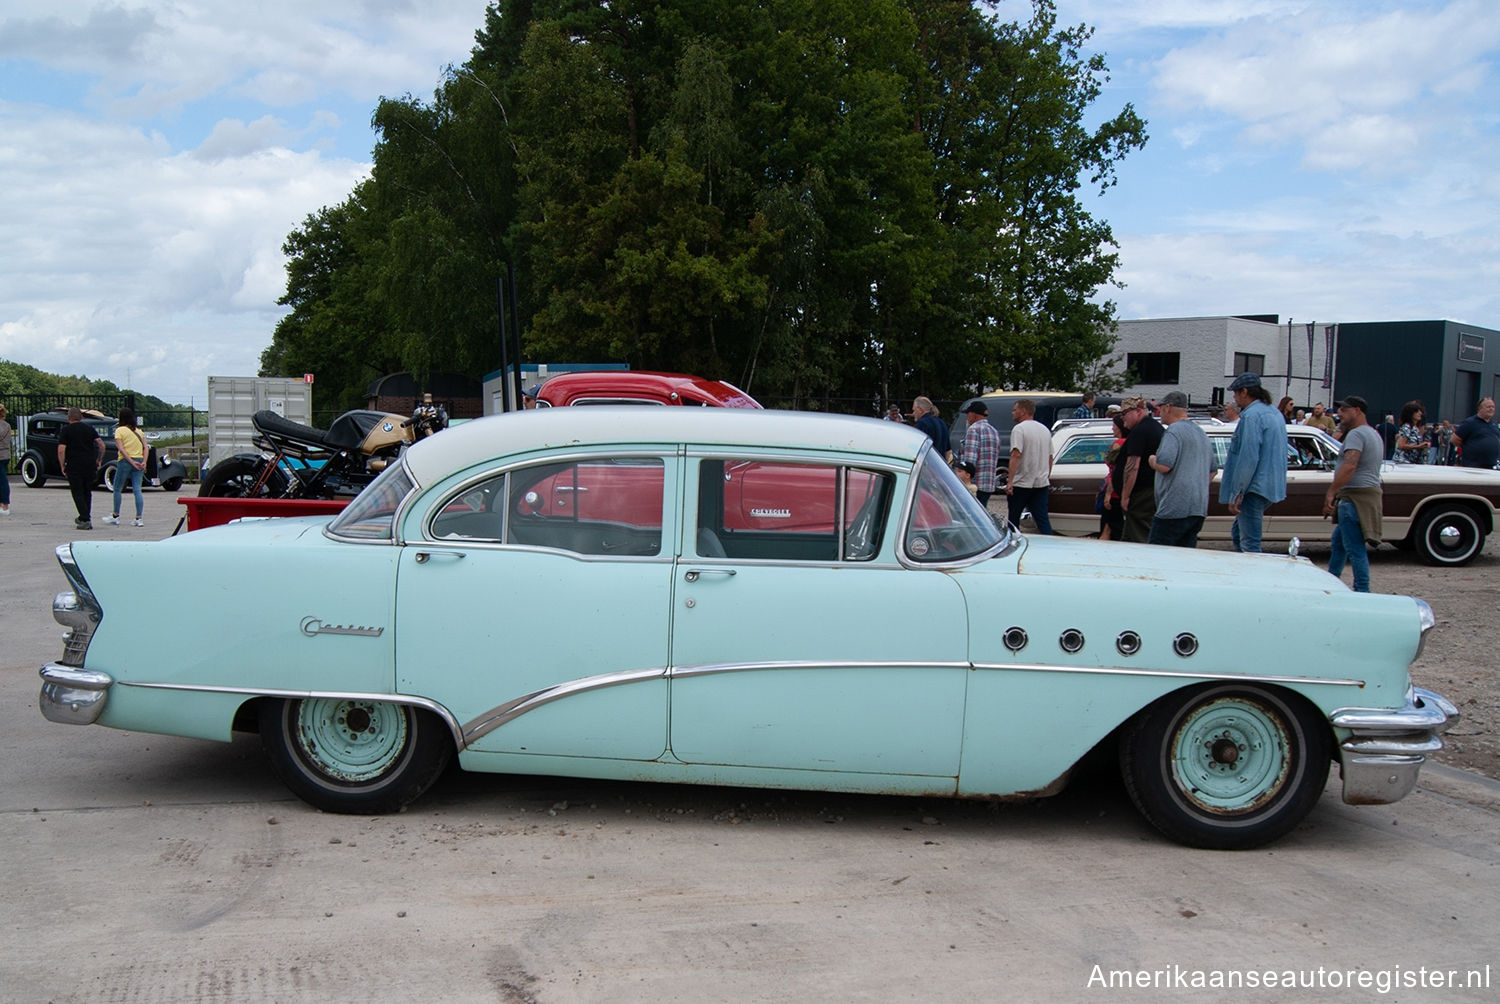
x=1221, y=449
x=609, y=506
x=779, y=511
x=1086, y=450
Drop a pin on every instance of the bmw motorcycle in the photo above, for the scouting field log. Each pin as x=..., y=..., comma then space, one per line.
x=297, y=461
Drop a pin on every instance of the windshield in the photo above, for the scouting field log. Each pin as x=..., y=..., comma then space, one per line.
x=946, y=522
x=372, y=514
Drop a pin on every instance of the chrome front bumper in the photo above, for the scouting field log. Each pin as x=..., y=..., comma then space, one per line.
x=71, y=695
x=1386, y=749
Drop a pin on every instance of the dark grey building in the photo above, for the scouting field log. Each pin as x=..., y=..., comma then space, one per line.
x=1445, y=365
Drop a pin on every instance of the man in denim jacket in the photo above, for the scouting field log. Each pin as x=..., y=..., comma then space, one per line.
x=1255, y=470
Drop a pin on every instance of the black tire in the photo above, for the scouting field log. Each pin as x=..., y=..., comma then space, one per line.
x=235, y=478
x=107, y=476
x=1226, y=766
x=33, y=471
x=354, y=756
x=171, y=484
x=1448, y=534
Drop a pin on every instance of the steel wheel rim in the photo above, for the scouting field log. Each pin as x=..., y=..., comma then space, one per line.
x=350, y=741
x=1230, y=757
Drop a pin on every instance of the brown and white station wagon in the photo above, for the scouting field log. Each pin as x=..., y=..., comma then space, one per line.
x=1443, y=512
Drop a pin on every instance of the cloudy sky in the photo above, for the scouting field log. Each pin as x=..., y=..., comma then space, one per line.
x=1324, y=160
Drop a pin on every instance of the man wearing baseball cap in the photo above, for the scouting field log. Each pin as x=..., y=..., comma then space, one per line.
x=1255, y=469
x=1354, y=499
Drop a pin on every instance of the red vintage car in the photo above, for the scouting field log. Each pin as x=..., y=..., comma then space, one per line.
x=640, y=387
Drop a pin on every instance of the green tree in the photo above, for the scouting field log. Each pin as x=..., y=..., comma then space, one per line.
x=831, y=204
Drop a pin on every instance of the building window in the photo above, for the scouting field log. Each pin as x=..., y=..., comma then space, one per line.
x=1153, y=367
x=1244, y=362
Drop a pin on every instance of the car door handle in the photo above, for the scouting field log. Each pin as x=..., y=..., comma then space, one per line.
x=693, y=573
x=424, y=556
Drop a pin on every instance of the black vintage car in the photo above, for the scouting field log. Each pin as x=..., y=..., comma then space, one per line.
x=39, y=453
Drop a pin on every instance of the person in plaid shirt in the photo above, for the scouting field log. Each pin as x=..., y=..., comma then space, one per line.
x=982, y=449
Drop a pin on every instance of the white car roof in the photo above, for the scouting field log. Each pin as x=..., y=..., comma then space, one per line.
x=482, y=439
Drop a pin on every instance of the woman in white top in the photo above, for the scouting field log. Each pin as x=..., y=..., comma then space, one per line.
x=132, y=464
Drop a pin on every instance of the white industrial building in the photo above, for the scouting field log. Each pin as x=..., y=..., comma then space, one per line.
x=1200, y=356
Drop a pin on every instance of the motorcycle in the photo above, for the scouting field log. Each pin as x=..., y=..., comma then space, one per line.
x=300, y=462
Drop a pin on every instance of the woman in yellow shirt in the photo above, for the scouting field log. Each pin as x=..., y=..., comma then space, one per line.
x=132, y=466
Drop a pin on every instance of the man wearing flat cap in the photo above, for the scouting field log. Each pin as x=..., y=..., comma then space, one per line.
x=1255, y=469
x=1353, y=500
x=982, y=449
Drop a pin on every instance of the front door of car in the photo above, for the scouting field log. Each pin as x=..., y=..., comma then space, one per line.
x=534, y=605
x=799, y=642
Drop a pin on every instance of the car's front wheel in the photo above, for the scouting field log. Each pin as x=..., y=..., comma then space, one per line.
x=354, y=755
x=33, y=471
x=1226, y=766
x=1448, y=535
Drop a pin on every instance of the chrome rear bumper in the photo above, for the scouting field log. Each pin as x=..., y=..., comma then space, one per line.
x=1385, y=750
x=73, y=696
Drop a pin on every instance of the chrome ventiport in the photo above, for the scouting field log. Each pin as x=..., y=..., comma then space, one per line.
x=1071, y=640
x=1014, y=639
x=1185, y=644
x=1128, y=643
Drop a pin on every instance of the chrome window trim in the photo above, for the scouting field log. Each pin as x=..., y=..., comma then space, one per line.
x=659, y=453
x=1010, y=539
x=467, y=544
x=397, y=515
x=870, y=463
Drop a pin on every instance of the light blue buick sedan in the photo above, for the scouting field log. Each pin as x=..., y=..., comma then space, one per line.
x=768, y=599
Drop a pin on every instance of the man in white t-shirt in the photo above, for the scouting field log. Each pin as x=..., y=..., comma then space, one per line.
x=1030, y=475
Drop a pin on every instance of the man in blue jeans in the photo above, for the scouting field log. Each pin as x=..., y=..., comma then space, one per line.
x=1354, y=499
x=1255, y=470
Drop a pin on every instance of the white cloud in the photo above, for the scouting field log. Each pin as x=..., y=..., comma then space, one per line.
x=1383, y=87
x=124, y=246
x=143, y=225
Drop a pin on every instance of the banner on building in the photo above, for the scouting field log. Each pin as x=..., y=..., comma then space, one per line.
x=1328, y=339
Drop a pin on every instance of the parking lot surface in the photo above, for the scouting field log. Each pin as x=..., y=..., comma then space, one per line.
x=141, y=867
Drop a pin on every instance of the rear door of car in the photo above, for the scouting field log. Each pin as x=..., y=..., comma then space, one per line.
x=535, y=605
x=799, y=642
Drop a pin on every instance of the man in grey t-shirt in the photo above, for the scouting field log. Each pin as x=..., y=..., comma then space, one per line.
x=1184, y=463
x=1354, y=500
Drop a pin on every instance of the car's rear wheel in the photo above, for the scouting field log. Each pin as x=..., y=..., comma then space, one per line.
x=1448, y=535
x=1226, y=766
x=171, y=484
x=354, y=755
x=33, y=472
